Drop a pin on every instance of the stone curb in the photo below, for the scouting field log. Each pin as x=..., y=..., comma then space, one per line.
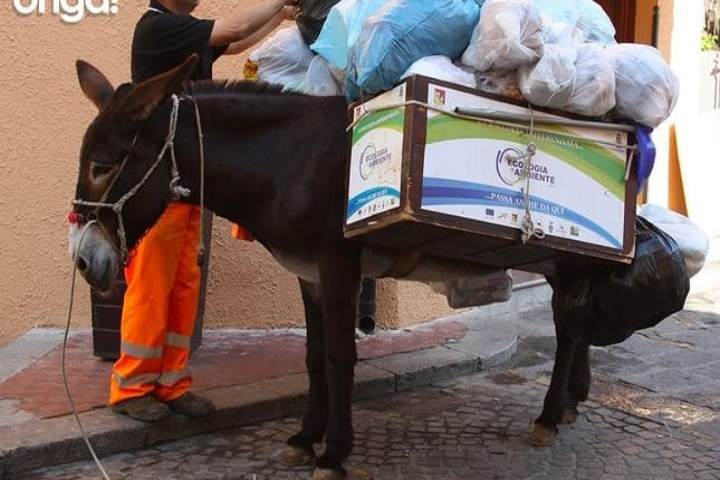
x=42, y=443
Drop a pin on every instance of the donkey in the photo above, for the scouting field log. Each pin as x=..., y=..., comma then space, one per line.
x=274, y=164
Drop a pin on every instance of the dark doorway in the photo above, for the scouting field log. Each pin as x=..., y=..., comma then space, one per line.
x=622, y=13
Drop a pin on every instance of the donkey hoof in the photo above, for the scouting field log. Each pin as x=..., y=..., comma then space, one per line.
x=357, y=474
x=352, y=474
x=327, y=474
x=569, y=416
x=542, y=436
x=295, y=457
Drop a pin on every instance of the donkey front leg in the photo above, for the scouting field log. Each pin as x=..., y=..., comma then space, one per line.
x=301, y=451
x=339, y=288
x=579, y=385
x=545, y=429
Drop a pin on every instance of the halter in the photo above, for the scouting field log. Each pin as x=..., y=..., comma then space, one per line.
x=177, y=190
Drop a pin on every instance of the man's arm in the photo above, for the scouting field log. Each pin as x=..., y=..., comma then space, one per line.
x=239, y=27
x=287, y=13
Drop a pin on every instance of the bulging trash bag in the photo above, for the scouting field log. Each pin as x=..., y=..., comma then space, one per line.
x=594, y=92
x=551, y=81
x=284, y=59
x=441, y=68
x=627, y=298
x=323, y=80
x=404, y=31
x=646, y=87
x=694, y=244
x=585, y=15
x=312, y=17
x=509, y=35
x=342, y=28
x=578, y=80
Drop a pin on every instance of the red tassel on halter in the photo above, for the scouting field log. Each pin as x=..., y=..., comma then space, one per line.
x=75, y=218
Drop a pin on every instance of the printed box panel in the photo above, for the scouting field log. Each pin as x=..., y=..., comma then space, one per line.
x=473, y=170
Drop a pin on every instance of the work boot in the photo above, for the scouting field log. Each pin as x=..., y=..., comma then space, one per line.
x=146, y=409
x=192, y=405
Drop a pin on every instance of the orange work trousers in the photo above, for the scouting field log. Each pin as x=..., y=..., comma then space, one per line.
x=159, y=310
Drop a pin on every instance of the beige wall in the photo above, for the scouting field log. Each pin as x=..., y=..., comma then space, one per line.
x=43, y=117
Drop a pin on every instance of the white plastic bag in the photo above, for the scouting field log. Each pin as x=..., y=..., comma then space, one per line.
x=646, y=87
x=509, y=34
x=551, y=81
x=578, y=80
x=284, y=59
x=441, y=68
x=692, y=241
x=323, y=80
x=594, y=92
x=585, y=15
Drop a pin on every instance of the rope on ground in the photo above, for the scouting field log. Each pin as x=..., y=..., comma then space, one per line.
x=64, y=350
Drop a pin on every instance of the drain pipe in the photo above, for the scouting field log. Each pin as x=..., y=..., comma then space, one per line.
x=367, y=306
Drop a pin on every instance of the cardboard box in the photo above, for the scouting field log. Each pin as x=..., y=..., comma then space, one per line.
x=423, y=179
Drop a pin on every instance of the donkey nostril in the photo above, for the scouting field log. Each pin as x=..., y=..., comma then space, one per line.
x=82, y=264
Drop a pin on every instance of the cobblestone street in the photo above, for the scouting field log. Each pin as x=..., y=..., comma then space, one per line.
x=661, y=426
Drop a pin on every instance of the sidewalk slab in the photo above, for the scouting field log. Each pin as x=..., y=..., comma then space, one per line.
x=424, y=367
x=252, y=390
x=25, y=350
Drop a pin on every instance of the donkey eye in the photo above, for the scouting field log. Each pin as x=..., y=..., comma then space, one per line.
x=99, y=170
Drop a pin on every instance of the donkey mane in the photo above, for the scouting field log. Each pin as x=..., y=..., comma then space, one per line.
x=207, y=87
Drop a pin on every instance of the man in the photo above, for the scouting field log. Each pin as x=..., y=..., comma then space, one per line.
x=163, y=279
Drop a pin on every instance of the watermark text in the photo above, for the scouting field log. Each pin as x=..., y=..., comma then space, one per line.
x=69, y=11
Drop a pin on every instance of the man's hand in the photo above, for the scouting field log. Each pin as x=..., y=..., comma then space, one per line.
x=290, y=12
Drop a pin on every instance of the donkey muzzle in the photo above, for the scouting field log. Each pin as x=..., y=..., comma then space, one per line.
x=95, y=255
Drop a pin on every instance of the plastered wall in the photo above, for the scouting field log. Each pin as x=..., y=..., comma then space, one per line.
x=42, y=119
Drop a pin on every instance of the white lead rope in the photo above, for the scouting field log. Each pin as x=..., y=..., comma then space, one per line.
x=84, y=434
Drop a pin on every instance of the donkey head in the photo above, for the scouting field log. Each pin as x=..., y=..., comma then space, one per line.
x=119, y=148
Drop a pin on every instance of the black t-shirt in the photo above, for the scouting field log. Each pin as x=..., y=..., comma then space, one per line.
x=163, y=40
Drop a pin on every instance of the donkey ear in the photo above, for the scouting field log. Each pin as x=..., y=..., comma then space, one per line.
x=144, y=98
x=94, y=84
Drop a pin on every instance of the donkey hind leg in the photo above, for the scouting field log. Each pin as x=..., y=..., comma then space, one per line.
x=300, y=451
x=579, y=384
x=340, y=288
x=544, y=431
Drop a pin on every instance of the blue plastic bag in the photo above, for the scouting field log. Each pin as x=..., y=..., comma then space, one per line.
x=403, y=31
x=646, y=154
x=342, y=28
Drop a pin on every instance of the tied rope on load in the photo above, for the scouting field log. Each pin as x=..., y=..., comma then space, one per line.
x=528, y=226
